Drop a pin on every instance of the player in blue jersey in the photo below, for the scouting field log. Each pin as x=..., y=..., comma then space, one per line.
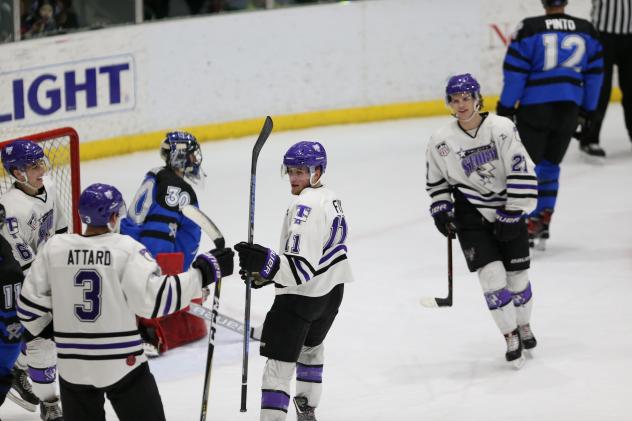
x=554, y=70
x=11, y=278
x=155, y=220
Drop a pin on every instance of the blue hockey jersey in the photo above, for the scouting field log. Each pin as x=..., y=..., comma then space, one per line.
x=154, y=217
x=11, y=278
x=553, y=58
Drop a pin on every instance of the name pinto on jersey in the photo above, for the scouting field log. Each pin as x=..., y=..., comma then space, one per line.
x=89, y=257
x=559, y=24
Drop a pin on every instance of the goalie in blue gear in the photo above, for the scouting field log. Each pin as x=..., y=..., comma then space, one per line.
x=155, y=220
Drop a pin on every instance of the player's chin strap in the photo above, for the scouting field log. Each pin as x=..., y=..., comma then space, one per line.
x=26, y=183
x=316, y=183
x=477, y=108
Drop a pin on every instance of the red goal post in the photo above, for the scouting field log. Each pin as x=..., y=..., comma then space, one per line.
x=61, y=146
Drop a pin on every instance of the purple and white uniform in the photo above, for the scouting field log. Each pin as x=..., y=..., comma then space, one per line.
x=313, y=250
x=490, y=166
x=94, y=287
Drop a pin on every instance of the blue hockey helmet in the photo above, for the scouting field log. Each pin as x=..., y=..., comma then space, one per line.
x=464, y=83
x=554, y=3
x=98, y=202
x=306, y=154
x=181, y=150
x=21, y=153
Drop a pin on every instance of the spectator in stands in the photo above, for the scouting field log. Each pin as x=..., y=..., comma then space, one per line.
x=66, y=18
x=41, y=20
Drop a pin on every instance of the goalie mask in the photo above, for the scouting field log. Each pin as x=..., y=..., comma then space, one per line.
x=98, y=202
x=305, y=154
x=181, y=151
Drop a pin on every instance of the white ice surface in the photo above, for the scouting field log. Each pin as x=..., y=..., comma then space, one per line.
x=387, y=357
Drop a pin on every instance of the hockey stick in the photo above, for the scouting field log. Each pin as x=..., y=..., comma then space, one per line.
x=442, y=302
x=223, y=320
x=210, y=229
x=261, y=140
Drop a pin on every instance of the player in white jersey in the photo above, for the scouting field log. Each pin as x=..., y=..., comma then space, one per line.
x=309, y=275
x=482, y=184
x=33, y=215
x=95, y=284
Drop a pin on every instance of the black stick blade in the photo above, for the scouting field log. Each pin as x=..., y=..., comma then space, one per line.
x=261, y=140
x=432, y=302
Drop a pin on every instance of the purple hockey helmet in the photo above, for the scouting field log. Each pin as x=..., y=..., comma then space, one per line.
x=98, y=202
x=20, y=153
x=181, y=150
x=306, y=154
x=460, y=84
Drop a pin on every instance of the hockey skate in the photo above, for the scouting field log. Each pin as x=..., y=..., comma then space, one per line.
x=526, y=337
x=538, y=228
x=21, y=391
x=304, y=412
x=593, y=153
x=51, y=411
x=514, y=349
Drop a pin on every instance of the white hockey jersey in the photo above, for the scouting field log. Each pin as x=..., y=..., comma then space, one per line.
x=313, y=253
x=31, y=220
x=490, y=167
x=95, y=286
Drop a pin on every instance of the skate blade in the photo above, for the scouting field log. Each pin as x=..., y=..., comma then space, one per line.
x=541, y=245
x=593, y=160
x=518, y=363
x=16, y=399
x=528, y=353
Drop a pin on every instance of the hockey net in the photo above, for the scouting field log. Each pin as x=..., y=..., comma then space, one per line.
x=61, y=146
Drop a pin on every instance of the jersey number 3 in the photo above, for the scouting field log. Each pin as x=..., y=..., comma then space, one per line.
x=90, y=281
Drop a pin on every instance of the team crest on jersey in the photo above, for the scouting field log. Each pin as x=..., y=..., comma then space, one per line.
x=50, y=373
x=302, y=213
x=443, y=149
x=479, y=160
x=45, y=226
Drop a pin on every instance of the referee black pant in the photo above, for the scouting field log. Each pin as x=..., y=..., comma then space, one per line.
x=617, y=50
x=134, y=398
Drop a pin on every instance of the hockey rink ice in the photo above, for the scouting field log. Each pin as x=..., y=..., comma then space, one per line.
x=387, y=357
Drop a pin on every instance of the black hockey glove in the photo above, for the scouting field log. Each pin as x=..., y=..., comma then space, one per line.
x=257, y=280
x=584, y=124
x=508, y=224
x=214, y=265
x=256, y=258
x=443, y=214
x=509, y=112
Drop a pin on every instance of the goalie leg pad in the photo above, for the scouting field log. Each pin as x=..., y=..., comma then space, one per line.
x=176, y=329
x=309, y=374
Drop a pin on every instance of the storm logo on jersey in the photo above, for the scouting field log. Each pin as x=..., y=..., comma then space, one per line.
x=479, y=160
